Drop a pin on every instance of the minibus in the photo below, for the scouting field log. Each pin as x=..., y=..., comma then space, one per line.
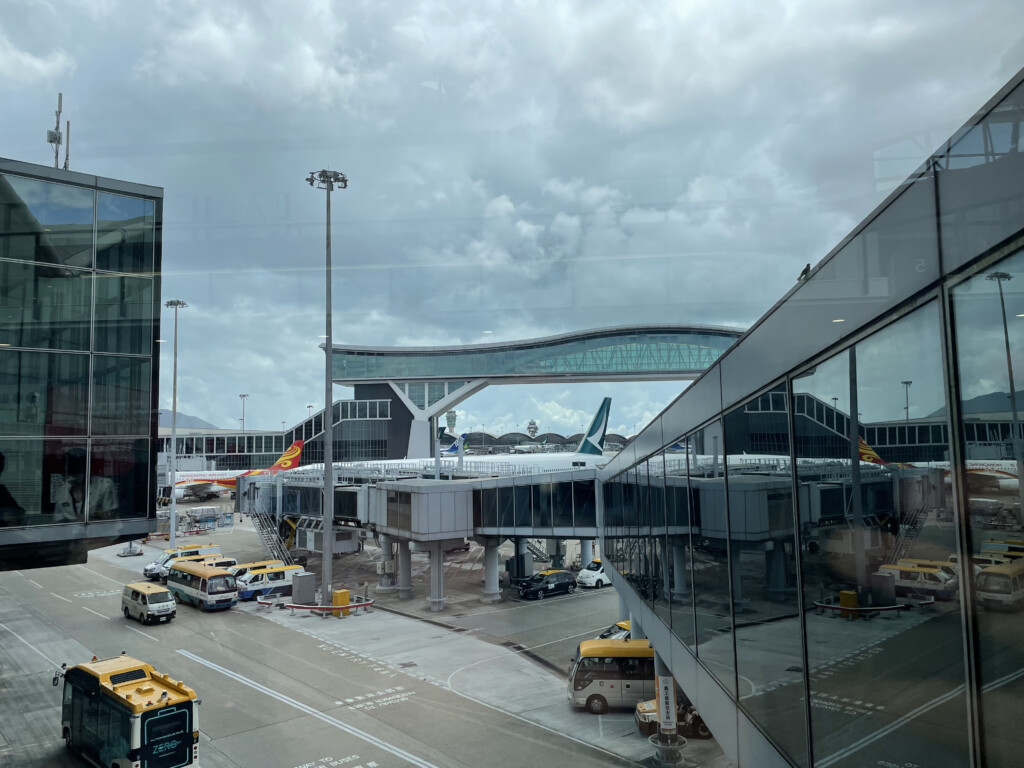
x=217, y=561
x=919, y=581
x=611, y=673
x=207, y=588
x=270, y=581
x=152, y=571
x=149, y=603
x=1001, y=586
x=240, y=569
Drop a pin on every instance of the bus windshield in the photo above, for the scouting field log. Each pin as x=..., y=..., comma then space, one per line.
x=159, y=597
x=996, y=583
x=220, y=584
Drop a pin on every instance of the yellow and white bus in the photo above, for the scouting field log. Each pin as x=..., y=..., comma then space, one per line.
x=1001, y=586
x=240, y=569
x=121, y=712
x=206, y=587
x=611, y=673
x=920, y=581
x=217, y=560
x=158, y=566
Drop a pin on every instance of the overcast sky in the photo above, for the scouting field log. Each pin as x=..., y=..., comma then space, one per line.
x=516, y=169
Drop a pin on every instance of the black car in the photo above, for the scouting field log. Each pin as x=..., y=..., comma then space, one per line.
x=547, y=583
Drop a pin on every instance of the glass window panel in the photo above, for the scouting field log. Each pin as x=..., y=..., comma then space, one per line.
x=990, y=350
x=44, y=306
x=125, y=233
x=506, y=507
x=488, y=506
x=542, y=493
x=45, y=222
x=762, y=538
x=661, y=557
x=562, y=503
x=856, y=517
x=361, y=409
x=33, y=490
x=981, y=184
x=124, y=314
x=523, y=507
x=121, y=395
x=41, y=393
x=119, y=479
x=711, y=575
x=221, y=447
x=584, y=506
x=679, y=543
x=372, y=409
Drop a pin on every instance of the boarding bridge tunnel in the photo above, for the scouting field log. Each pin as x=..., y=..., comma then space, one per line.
x=414, y=514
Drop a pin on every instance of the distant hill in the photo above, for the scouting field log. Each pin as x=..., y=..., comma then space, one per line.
x=185, y=421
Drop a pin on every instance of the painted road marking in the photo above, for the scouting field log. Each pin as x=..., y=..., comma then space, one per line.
x=60, y=598
x=90, y=610
x=397, y=751
x=94, y=573
x=26, y=642
x=133, y=629
x=33, y=581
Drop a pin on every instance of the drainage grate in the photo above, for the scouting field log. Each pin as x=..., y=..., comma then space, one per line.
x=407, y=664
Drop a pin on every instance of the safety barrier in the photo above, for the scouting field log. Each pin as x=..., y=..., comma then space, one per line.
x=869, y=612
x=360, y=602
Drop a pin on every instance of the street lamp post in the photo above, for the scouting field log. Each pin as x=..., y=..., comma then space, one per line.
x=326, y=180
x=835, y=403
x=242, y=398
x=309, y=411
x=1000, y=277
x=174, y=304
x=906, y=387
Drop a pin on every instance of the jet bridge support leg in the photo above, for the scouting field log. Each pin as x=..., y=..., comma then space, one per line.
x=386, y=582
x=404, y=570
x=492, y=592
x=436, y=599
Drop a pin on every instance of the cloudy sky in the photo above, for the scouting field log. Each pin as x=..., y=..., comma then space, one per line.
x=516, y=169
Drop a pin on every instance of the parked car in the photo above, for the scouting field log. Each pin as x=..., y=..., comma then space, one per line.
x=593, y=575
x=547, y=583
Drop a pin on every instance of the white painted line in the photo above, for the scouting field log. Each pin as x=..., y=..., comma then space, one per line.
x=90, y=610
x=882, y=732
x=1002, y=681
x=94, y=573
x=397, y=751
x=33, y=581
x=26, y=642
x=60, y=598
x=150, y=637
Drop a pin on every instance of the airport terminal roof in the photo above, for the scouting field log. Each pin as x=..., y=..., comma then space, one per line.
x=606, y=354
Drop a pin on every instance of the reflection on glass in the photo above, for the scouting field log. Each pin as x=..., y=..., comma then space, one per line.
x=118, y=482
x=762, y=538
x=990, y=349
x=681, y=519
x=41, y=393
x=886, y=685
x=121, y=395
x=45, y=222
x=124, y=314
x=44, y=306
x=711, y=575
x=125, y=233
x=661, y=556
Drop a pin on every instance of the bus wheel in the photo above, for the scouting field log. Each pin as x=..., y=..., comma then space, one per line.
x=177, y=598
x=69, y=744
x=703, y=731
x=597, y=705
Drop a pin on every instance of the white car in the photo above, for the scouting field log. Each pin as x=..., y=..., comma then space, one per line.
x=593, y=575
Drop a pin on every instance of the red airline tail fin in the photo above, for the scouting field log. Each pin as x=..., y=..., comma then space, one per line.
x=289, y=459
x=867, y=453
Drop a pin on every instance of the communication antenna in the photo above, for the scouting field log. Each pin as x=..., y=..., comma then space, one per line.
x=67, y=144
x=53, y=137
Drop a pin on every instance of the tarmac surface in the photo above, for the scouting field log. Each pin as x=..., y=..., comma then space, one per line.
x=506, y=663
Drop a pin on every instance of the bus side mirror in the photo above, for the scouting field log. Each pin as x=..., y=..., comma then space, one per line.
x=56, y=677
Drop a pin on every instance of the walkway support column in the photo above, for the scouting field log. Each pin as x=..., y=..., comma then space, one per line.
x=386, y=581
x=436, y=598
x=404, y=570
x=586, y=552
x=492, y=592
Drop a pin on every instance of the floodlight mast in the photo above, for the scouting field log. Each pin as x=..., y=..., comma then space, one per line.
x=327, y=180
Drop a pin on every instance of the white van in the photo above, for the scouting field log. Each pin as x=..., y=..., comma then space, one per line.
x=267, y=581
x=593, y=575
x=216, y=560
x=240, y=569
x=159, y=566
x=149, y=603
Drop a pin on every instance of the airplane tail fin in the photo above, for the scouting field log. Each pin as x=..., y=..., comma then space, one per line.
x=593, y=439
x=867, y=453
x=289, y=459
x=453, y=449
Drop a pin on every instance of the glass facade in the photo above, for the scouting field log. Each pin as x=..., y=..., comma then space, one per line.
x=681, y=351
x=79, y=313
x=832, y=534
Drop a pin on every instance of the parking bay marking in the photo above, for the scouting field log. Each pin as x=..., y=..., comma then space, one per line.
x=397, y=751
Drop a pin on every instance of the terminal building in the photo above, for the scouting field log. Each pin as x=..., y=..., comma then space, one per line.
x=80, y=308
